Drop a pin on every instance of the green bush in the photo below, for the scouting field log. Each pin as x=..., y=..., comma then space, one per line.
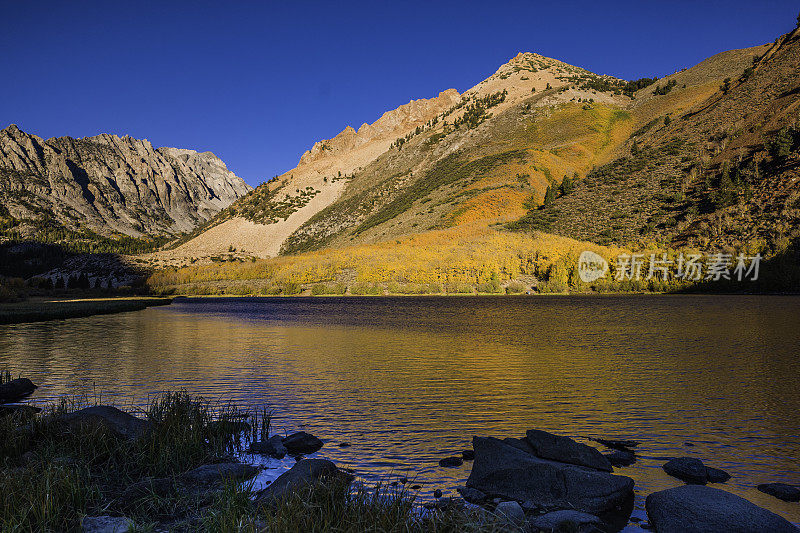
x=515, y=288
x=366, y=289
x=324, y=289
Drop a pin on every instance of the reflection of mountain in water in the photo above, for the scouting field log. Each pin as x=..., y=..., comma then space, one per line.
x=430, y=372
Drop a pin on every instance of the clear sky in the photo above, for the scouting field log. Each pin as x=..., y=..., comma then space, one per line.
x=258, y=83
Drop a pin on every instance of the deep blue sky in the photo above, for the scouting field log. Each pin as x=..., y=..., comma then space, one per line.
x=258, y=83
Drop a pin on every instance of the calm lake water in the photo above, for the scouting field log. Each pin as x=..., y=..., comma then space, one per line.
x=408, y=381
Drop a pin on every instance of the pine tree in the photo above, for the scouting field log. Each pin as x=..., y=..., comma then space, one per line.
x=549, y=195
x=781, y=146
x=726, y=195
x=567, y=185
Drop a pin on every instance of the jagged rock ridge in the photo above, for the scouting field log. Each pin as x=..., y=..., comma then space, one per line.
x=110, y=184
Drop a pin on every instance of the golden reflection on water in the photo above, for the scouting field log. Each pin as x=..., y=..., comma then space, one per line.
x=409, y=380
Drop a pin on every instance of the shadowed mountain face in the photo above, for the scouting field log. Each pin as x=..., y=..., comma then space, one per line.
x=108, y=185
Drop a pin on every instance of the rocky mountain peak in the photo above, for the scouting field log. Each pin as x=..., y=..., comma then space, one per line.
x=111, y=184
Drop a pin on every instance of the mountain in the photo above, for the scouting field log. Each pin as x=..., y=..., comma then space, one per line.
x=342, y=182
x=65, y=188
x=707, y=173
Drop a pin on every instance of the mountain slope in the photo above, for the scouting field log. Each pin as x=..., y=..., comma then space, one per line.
x=703, y=175
x=108, y=185
x=343, y=181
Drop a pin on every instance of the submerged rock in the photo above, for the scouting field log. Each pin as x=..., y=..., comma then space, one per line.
x=503, y=470
x=118, y=422
x=565, y=450
x=618, y=444
x=304, y=473
x=700, y=509
x=16, y=389
x=451, y=462
x=621, y=457
x=302, y=443
x=468, y=455
x=687, y=469
x=106, y=524
x=782, y=491
x=566, y=520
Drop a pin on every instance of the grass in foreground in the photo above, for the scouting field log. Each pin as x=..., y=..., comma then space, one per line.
x=51, y=476
x=342, y=509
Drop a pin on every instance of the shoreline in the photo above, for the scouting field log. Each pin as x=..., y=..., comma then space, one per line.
x=204, y=476
x=45, y=309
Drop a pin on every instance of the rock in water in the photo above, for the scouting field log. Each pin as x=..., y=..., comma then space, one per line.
x=451, y=462
x=565, y=450
x=618, y=444
x=471, y=495
x=304, y=473
x=621, y=458
x=700, y=509
x=468, y=455
x=106, y=524
x=511, y=512
x=273, y=447
x=687, y=469
x=118, y=422
x=503, y=470
x=215, y=473
x=301, y=443
x=16, y=389
x=782, y=491
x=567, y=520
x=715, y=475
x=263, y=447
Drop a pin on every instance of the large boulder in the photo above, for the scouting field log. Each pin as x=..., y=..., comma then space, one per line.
x=215, y=473
x=782, y=491
x=565, y=450
x=505, y=471
x=301, y=443
x=16, y=389
x=701, y=509
x=305, y=473
x=117, y=422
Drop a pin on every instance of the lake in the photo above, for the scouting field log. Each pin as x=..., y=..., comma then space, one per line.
x=409, y=380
